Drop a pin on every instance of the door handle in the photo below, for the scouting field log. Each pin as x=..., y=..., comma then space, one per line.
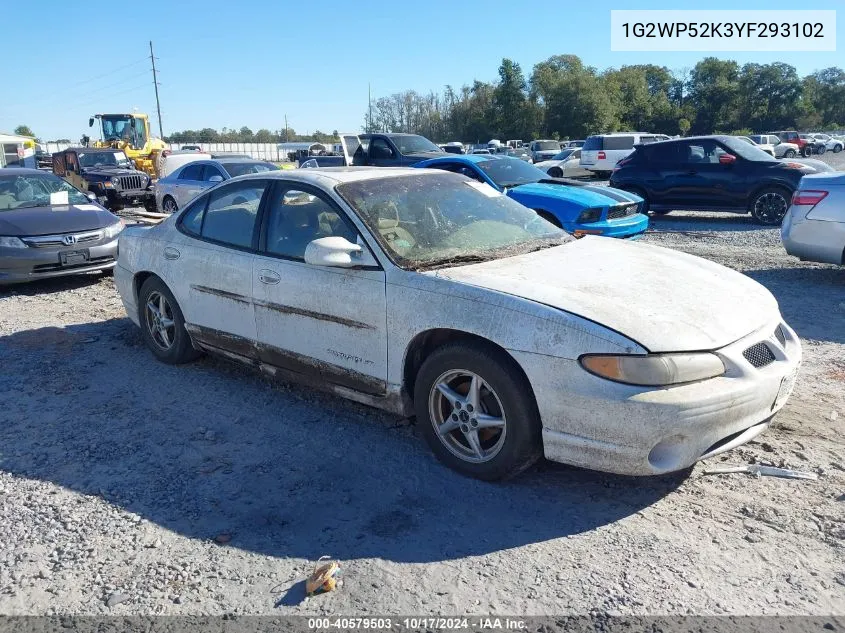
x=171, y=253
x=268, y=276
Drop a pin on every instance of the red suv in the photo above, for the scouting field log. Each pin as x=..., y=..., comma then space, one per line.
x=791, y=136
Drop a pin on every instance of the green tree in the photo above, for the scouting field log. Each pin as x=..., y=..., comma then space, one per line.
x=509, y=101
x=263, y=136
x=683, y=126
x=713, y=91
x=24, y=130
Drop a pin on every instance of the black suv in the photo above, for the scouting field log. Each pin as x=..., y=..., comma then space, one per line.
x=108, y=174
x=710, y=173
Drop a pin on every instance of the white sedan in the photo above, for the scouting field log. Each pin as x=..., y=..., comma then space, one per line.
x=566, y=164
x=424, y=292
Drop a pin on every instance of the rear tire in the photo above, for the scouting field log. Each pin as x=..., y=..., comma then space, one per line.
x=168, y=205
x=822, y=150
x=837, y=149
x=555, y=172
x=769, y=205
x=790, y=153
x=162, y=324
x=806, y=151
x=477, y=412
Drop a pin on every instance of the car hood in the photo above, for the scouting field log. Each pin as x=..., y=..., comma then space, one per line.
x=665, y=300
x=575, y=191
x=105, y=172
x=50, y=220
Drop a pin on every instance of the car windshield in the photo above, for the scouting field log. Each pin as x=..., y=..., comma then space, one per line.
x=411, y=144
x=444, y=219
x=747, y=151
x=103, y=159
x=543, y=146
x=510, y=172
x=239, y=169
x=37, y=190
x=563, y=155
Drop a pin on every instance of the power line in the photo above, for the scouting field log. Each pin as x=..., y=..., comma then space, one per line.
x=107, y=73
x=99, y=99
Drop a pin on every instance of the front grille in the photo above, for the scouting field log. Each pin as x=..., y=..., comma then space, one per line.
x=759, y=355
x=129, y=182
x=54, y=241
x=780, y=336
x=45, y=268
x=622, y=211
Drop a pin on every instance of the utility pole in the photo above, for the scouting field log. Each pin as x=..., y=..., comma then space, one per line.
x=370, y=107
x=286, y=128
x=155, y=85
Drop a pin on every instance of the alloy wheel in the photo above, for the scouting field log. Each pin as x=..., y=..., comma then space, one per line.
x=160, y=322
x=770, y=207
x=467, y=416
x=169, y=205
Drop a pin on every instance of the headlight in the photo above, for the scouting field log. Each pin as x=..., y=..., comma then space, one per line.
x=115, y=229
x=654, y=370
x=11, y=242
x=589, y=215
x=108, y=184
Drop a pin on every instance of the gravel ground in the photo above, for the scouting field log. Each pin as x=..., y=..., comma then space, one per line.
x=128, y=486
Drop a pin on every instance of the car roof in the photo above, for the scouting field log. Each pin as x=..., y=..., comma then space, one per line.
x=338, y=175
x=92, y=150
x=234, y=159
x=705, y=137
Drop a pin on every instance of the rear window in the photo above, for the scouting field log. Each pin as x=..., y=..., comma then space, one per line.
x=619, y=142
x=593, y=143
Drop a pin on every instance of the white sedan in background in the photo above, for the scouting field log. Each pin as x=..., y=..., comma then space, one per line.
x=566, y=164
x=831, y=144
x=424, y=292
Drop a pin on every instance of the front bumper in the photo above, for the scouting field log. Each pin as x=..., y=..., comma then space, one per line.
x=628, y=227
x=19, y=265
x=130, y=197
x=813, y=240
x=602, y=425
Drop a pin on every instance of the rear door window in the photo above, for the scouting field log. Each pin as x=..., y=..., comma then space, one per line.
x=232, y=211
x=663, y=153
x=618, y=142
x=191, y=172
x=649, y=139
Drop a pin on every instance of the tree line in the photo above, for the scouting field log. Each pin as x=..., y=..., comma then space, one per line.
x=246, y=135
x=564, y=99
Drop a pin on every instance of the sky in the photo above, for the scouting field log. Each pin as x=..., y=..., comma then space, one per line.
x=228, y=64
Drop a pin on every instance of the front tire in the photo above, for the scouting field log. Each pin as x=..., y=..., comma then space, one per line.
x=837, y=149
x=822, y=150
x=555, y=172
x=769, y=205
x=476, y=411
x=790, y=153
x=162, y=324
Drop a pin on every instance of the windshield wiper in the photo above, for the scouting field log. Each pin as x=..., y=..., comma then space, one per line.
x=445, y=262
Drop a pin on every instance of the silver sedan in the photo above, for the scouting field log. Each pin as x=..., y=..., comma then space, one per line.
x=814, y=226
x=178, y=188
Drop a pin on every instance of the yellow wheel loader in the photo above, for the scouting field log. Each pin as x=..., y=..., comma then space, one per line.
x=130, y=133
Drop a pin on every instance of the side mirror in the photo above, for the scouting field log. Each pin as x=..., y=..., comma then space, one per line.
x=337, y=252
x=216, y=178
x=727, y=159
x=91, y=122
x=91, y=196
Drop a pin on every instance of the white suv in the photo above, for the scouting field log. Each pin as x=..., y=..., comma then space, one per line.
x=601, y=152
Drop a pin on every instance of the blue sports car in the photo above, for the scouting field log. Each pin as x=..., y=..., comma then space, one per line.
x=574, y=206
